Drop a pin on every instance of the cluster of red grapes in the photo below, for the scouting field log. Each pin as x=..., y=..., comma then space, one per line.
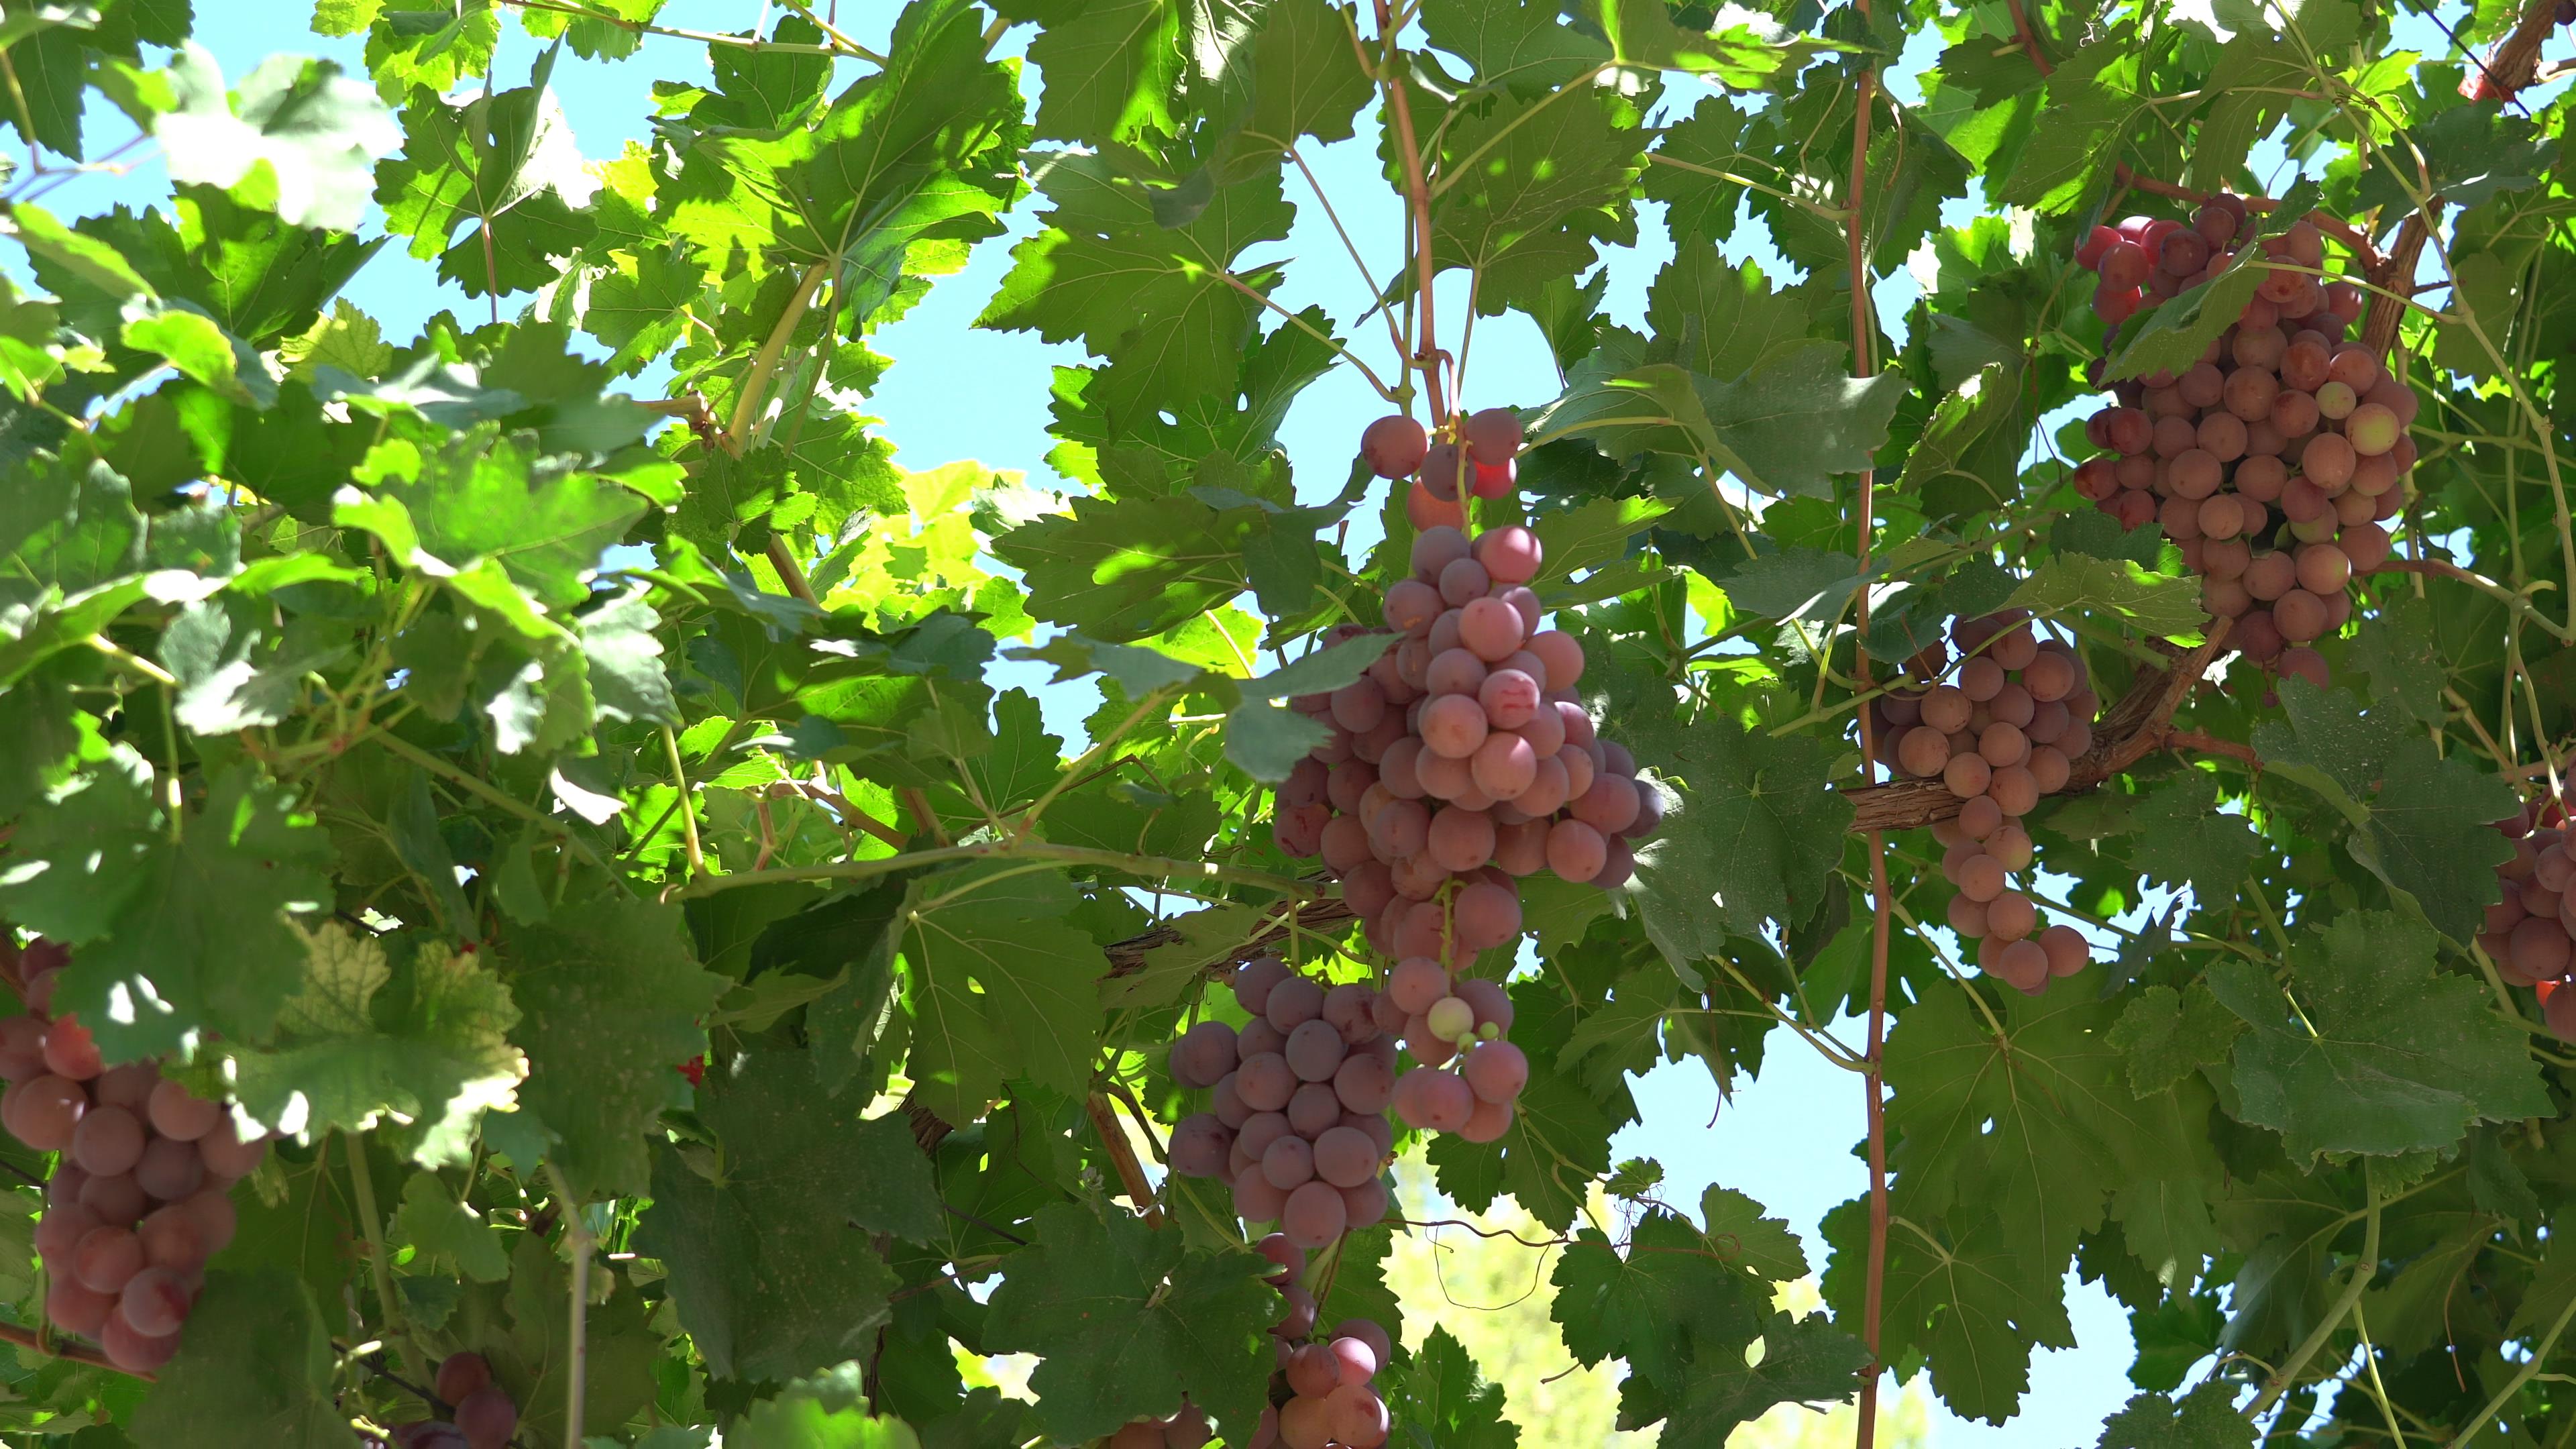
x=1463, y=755
x=1298, y=1123
x=2274, y=459
x=140, y=1197
x=2000, y=733
x=1477, y=457
x=2531, y=933
x=1297, y=1103
x=1321, y=1395
x=484, y=1416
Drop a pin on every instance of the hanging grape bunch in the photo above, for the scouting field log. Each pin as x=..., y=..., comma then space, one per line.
x=140, y=1197
x=484, y=1417
x=2000, y=732
x=2531, y=932
x=1297, y=1123
x=2275, y=459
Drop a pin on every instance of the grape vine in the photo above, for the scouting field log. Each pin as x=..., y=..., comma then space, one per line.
x=557, y=889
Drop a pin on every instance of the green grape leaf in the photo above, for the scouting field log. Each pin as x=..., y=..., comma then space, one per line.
x=827, y=1411
x=771, y=1262
x=2032, y=1129
x=1515, y=43
x=2092, y=101
x=1593, y=534
x=2205, y=1418
x=1122, y=63
x=2167, y=1035
x=202, y=933
x=2401, y=651
x=1439, y=1397
x=1162, y=304
x=2181, y=836
x=343, y=1061
x=1975, y=1305
x=1121, y=571
x=997, y=986
x=1751, y=840
x=2422, y=820
x=1557, y=1146
x=253, y=1371
x=483, y=496
x=1719, y=319
x=1791, y=1361
x=2114, y=590
x=1534, y=184
x=609, y=995
x=1798, y=418
x=447, y=1233
x=1669, y=1293
x=1128, y=1322
x=2384, y=1054
x=1762, y=1246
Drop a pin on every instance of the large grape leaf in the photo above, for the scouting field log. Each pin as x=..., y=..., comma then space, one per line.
x=1123, y=570
x=2421, y=820
x=827, y=1411
x=2181, y=837
x=1128, y=1322
x=1971, y=1297
x=998, y=986
x=2383, y=1054
x=254, y=1371
x=772, y=1263
x=2092, y=100
x=2205, y=1418
x=1751, y=840
x=201, y=940
x=1437, y=1395
x=1122, y=64
x=1528, y=187
x=341, y=1061
x=2033, y=1128
x=610, y=994
x=1791, y=1361
x=1162, y=304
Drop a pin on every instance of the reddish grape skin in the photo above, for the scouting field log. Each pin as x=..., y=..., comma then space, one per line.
x=81, y=1310
x=59, y=1232
x=155, y=1302
x=44, y=1111
x=169, y=1170
x=22, y=1048
x=487, y=1417
x=135, y=1352
x=1394, y=446
x=69, y=1052
x=1495, y=1071
x=1314, y=1215
x=106, y=1259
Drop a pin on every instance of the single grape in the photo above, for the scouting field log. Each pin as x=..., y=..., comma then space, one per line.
x=213, y=1210
x=22, y=1048
x=1355, y=1357
x=1493, y=435
x=1453, y=726
x=155, y=1302
x=1314, y=1215
x=45, y=1111
x=1312, y=1108
x=1980, y=877
x=134, y=1351
x=1486, y=915
x=1202, y=1055
x=1315, y=1050
x=1265, y=1081
x=1293, y=1003
x=1140, y=1434
x=1394, y=446
x=1358, y=1416
x=488, y=1417
x=1510, y=555
x=1289, y=1162
x=1345, y=1157
x=1487, y=1122
x=1496, y=1070
x=1199, y=1147
x=1490, y=628
x=106, y=1259
x=169, y=1170
x=71, y=1305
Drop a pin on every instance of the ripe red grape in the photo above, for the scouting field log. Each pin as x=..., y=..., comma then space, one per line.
x=1394, y=446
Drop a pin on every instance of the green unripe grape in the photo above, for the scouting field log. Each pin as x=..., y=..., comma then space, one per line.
x=1451, y=1019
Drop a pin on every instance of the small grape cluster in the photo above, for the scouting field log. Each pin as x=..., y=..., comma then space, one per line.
x=1323, y=1394
x=1297, y=1122
x=1297, y=1103
x=2531, y=932
x=482, y=1413
x=2002, y=731
x=2274, y=460
x=140, y=1197
x=1477, y=456
x=1463, y=755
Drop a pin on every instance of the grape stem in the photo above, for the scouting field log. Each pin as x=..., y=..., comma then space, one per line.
x=362, y=1183
x=2364, y=1268
x=1122, y=1156
x=577, y=1243
x=74, y=1352
x=1417, y=192
x=2515, y=62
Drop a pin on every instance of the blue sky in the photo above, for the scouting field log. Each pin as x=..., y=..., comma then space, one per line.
x=960, y=393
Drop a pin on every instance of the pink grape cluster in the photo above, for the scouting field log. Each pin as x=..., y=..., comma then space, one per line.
x=140, y=1197
x=483, y=1415
x=1462, y=760
x=2000, y=732
x=1323, y=1394
x=2275, y=459
x=1475, y=456
x=2531, y=932
x=1297, y=1103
